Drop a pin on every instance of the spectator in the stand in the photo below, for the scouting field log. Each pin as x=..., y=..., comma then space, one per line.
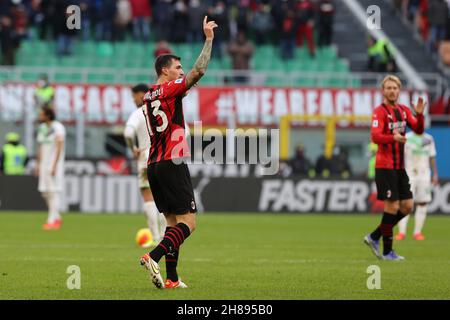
x=219, y=14
x=9, y=42
x=162, y=18
x=340, y=166
x=262, y=23
x=300, y=164
x=180, y=22
x=64, y=35
x=323, y=166
x=162, y=47
x=437, y=15
x=242, y=18
x=44, y=93
x=411, y=8
x=86, y=7
x=142, y=13
x=422, y=21
x=278, y=12
x=380, y=56
x=47, y=10
x=13, y=156
x=196, y=11
x=305, y=29
x=326, y=17
x=106, y=11
x=287, y=36
x=122, y=19
x=20, y=20
x=241, y=52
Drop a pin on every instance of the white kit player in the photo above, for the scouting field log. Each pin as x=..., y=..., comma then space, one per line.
x=50, y=165
x=138, y=140
x=420, y=164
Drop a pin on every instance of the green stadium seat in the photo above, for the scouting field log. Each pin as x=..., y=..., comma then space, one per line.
x=209, y=80
x=327, y=53
x=325, y=66
x=274, y=81
x=100, y=78
x=131, y=78
x=341, y=66
x=86, y=48
x=304, y=82
x=30, y=76
x=294, y=65
x=310, y=66
x=68, y=77
x=105, y=49
x=71, y=61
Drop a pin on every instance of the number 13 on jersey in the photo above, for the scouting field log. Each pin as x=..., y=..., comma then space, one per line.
x=155, y=105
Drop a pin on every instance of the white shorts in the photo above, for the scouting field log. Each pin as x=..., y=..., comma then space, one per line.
x=49, y=183
x=421, y=189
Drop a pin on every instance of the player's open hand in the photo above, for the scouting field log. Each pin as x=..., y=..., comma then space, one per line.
x=208, y=28
x=399, y=138
x=420, y=106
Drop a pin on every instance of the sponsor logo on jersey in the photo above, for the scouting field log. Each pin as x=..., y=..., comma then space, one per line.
x=179, y=80
x=375, y=124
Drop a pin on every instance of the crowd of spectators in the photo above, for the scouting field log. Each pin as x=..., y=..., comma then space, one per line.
x=337, y=165
x=285, y=23
x=430, y=18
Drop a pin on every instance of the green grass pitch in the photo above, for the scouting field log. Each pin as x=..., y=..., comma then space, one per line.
x=230, y=256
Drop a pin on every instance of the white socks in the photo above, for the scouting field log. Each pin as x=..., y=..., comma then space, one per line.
x=402, y=224
x=420, y=216
x=53, y=206
x=419, y=219
x=153, y=219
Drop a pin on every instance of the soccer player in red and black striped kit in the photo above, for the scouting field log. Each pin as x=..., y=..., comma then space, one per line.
x=389, y=122
x=167, y=172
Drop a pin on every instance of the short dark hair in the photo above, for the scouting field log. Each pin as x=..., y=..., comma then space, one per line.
x=49, y=113
x=164, y=61
x=141, y=87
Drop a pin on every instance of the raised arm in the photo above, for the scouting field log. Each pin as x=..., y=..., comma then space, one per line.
x=201, y=64
x=417, y=123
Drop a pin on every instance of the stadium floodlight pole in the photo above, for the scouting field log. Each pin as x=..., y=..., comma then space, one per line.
x=410, y=72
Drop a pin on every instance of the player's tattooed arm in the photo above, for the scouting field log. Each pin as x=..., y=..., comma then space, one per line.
x=201, y=64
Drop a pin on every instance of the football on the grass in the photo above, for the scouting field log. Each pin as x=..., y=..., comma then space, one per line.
x=144, y=237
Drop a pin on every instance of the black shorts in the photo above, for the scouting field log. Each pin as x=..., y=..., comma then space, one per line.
x=392, y=184
x=171, y=187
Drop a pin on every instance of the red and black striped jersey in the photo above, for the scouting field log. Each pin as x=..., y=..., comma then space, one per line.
x=163, y=111
x=386, y=121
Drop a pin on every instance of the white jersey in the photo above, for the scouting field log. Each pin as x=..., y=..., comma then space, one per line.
x=137, y=123
x=418, y=151
x=46, y=137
